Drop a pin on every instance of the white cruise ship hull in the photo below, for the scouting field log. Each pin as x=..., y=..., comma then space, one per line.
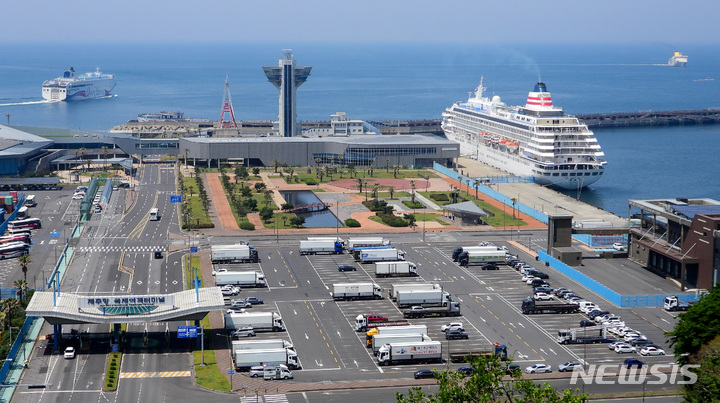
x=74, y=92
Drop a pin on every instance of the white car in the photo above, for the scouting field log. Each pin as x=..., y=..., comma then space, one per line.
x=230, y=290
x=651, y=350
x=629, y=336
x=530, y=279
x=612, y=345
x=453, y=326
x=618, y=246
x=257, y=371
x=78, y=196
x=619, y=330
x=69, y=353
x=538, y=368
x=624, y=348
x=541, y=296
x=222, y=270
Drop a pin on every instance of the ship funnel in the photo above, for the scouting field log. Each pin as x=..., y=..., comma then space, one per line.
x=539, y=98
x=540, y=87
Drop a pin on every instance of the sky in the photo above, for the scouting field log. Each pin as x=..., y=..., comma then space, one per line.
x=388, y=21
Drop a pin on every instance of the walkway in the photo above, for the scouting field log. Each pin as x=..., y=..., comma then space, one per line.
x=217, y=195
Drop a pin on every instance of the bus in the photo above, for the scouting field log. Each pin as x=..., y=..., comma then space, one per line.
x=154, y=214
x=30, y=201
x=22, y=213
x=24, y=238
x=31, y=223
x=13, y=249
x=19, y=231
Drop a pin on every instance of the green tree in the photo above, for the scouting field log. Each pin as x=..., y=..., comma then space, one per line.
x=696, y=327
x=287, y=206
x=259, y=187
x=489, y=384
x=412, y=194
x=707, y=387
x=246, y=192
x=24, y=261
x=266, y=214
x=267, y=197
x=20, y=288
x=297, y=221
x=375, y=189
x=391, y=190
x=105, y=152
x=256, y=171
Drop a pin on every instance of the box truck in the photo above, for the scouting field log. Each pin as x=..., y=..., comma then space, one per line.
x=244, y=359
x=352, y=291
x=481, y=257
x=326, y=246
x=380, y=340
x=387, y=269
x=422, y=298
x=240, y=253
x=259, y=321
x=407, y=353
x=260, y=345
x=412, y=286
x=356, y=243
x=241, y=278
x=410, y=329
x=378, y=255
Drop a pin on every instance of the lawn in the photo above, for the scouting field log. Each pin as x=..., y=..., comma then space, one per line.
x=360, y=173
x=500, y=219
x=196, y=208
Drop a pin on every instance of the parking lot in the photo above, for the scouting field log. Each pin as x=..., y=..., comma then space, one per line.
x=322, y=330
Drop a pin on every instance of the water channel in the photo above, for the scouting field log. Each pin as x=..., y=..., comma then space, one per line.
x=314, y=219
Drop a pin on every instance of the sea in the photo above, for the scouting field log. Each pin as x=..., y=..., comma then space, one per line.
x=402, y=82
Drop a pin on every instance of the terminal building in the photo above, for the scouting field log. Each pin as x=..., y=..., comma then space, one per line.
x=678, y=239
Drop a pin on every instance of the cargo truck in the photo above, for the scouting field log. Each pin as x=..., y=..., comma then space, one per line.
x=399, y=269
x=453, y=309
x=353, y=291
x=422, y=298
x=259, y=321
x=273, y=372
x=260, y=344
x=356, y=243
x=380, y=340
x=412, y=286
x=672, y=303
x=497, y=349
x=584, y=335
x=362, y=323
x=241, y=278
x=410, y=329
x=327, y=247
x=244, y=359
x=459, y=250
x=378, y=255
x=408, y=353
x=240, y=253
x=529, y=305
x=481, y=257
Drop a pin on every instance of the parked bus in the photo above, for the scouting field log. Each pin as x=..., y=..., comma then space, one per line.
x=31, y=223
x=13, y=249
x=22, y=213
x=154, y=214
x=30, y=201
x=19, y=231
x=25, y=238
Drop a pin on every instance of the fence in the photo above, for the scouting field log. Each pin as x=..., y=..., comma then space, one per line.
x=508, y=201
x=650, y=300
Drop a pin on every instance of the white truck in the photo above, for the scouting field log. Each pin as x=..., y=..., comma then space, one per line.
x=481, y=257
x=407, y=353
x=422, y=298
x=412, y=286
x=245, y=359
x=394, y=330
x=239, y=253
x=259, y=321
x=324, y=246
x=352, y=291
x=380, y=340
x=357, y=243
x=387, y=269
x=486, y=248
x=260, y=345
x=241, y=278
x=378, y=255
x=273, y=372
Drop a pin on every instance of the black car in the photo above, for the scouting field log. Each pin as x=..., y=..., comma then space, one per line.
x=543, y=288
x=511, y=369
x=585, y=323
x=158, y=254
x=641, y=343
x=455, y=334
x=513, y=262
x=540, y=274
x=630, y=362
x=559, y=290
x=538, y=282
x=346, y=267
x=490, y=266
x=254, y=300
x=424, y=373
x=123, y=185
x=467, y=370
x=595, y=313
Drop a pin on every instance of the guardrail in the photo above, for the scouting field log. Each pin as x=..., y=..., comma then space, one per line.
x=542, y=217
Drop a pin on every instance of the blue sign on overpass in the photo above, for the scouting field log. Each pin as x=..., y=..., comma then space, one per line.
x=187, y=332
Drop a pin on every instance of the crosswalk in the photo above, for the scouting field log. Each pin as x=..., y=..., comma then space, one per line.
x=164, y=374
x=279, y=398
x=131, y=249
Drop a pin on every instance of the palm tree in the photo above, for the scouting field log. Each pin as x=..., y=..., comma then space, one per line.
x=24, y=261
x=387, y=166
x=21, y=286
x=476, y=184
x=275, y=164
x=105, y=152
x=268, y=196
x=412, y=195
x=10, y=305
x=375, y=189
x=391, y=189
x=187, y=150
x=82, y=153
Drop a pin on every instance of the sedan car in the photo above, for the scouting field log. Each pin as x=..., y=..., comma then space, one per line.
x=651, y=350
x=424, y=373
x=569, y=366
x=69, y=353
x=633, y=362
x=541, y=275
x=244, y=332
x=538, y=368
x=543, y=288
x=641, y=343
x=585, y=323
x=560, y=290
x=618, y=246
x=541, y=296
x=467, y=370
x=612, y=345
x=256, y=371
x=78, y=197
x=624, y=348
x=254, y=300
x=229, y=291
x=346, y=267
x=452, y=326
x=455, y=334
x=490, y=266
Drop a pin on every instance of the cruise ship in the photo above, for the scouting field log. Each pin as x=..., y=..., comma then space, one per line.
x=677, y=60
x=537, y=140
x=85, y=86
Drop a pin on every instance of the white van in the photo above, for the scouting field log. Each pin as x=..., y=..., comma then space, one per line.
x=30, y=201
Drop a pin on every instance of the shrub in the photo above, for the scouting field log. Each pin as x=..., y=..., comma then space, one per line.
x=392, y=220
x=310, y=182
x=439, y=197
x=417, y=205
x=247, y=226
x=352, y=223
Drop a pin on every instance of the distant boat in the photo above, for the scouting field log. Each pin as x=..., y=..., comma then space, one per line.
x=677, y=60
x=85, y=86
